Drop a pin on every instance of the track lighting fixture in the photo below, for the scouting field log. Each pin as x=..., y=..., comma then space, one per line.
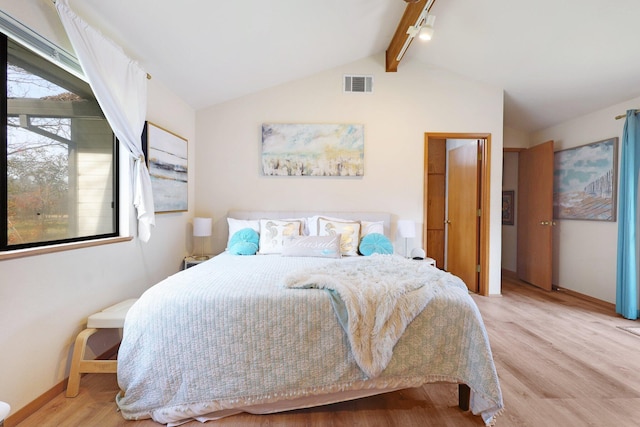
x=426, y=30
x=423, y=28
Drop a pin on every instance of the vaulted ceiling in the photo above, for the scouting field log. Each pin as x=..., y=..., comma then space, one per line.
x=555, y=59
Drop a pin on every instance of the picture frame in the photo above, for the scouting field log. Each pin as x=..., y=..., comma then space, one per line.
x=329, y=150
x=585, y=181
x=166, y=154
x=508, y=207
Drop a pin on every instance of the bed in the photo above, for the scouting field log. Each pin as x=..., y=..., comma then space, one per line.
x=269, y=333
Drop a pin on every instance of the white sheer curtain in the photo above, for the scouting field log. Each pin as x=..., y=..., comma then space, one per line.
x=120, y=86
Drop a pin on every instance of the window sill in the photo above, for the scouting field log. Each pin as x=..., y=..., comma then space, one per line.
x=21, y=253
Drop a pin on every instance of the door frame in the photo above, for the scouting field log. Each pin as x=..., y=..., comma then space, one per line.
x=484, y=198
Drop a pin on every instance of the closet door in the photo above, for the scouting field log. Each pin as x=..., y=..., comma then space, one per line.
x=463, y=214
x=535, y=215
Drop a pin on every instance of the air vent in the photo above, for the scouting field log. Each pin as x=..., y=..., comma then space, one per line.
x=358, y=84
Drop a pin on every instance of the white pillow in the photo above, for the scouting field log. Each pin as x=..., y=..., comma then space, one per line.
x=350, y=232
x=313, y=246
x=236, y=225
x=368, y=227
x=273, y=232
x=312, y=223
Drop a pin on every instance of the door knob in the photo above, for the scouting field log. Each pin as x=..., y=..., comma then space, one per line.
x=446, y=221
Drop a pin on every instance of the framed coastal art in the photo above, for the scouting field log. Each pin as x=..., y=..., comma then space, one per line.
x=584, y=182
x=313, y=150
x=166, y=155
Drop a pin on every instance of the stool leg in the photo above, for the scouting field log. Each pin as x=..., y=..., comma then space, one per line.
x=73, y=386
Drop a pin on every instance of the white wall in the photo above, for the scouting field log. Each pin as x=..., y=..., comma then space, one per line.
x=404, y=105
x=45, y=299
x=510, y=232
x=513, y=138
x=584, y=252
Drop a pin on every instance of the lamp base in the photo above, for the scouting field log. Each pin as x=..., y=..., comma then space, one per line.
x=201, y=257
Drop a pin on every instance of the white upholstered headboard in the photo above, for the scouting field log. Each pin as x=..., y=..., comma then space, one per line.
x=366, y=216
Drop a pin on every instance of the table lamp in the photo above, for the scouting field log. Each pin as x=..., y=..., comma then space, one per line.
x=201, y=229
x=407, y=230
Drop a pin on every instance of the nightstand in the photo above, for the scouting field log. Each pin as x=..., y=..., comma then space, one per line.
x=190, y=261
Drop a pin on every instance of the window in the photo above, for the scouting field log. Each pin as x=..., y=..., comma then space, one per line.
x=58, y=155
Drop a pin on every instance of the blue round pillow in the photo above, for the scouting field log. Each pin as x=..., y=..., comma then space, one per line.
x=244, y=242
x=375, y=243
x=243, y=248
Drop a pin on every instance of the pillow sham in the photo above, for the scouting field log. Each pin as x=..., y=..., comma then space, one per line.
x=244, y=242
x=304, y=230
x=312, y=223
x=312, y=246
x=375, y=243
x=368, y=227
x=350, y=232
x=236, y=225
x=273, y=232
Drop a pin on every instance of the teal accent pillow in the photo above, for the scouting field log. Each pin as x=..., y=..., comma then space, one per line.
x=244, y=242
x=243, y=248
x=375, y=243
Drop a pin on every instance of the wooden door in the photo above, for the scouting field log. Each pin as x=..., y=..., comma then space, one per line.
x=436, y=197
x=535, y=215
x=462, y=214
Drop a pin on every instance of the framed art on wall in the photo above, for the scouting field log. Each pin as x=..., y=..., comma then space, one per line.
x=166, y=155
x=508, y=208
x=313, y=150
x=584, y=182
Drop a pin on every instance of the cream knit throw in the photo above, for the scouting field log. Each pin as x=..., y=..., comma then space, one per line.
x=382, y=294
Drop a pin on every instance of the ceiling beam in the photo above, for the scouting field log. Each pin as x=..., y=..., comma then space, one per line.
x=411, y=15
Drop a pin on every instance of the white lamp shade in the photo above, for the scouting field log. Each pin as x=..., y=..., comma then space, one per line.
x=201, y=227
x=407, y=228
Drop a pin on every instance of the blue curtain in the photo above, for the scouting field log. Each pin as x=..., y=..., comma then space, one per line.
x=627, y=265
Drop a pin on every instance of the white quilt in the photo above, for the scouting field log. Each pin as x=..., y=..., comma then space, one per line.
x=228, y=334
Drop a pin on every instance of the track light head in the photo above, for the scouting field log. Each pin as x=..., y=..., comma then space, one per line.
x=426, y=30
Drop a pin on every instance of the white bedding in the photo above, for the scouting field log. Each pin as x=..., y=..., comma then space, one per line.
x=227, y=335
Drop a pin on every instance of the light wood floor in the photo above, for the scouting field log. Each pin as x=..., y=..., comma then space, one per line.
x=562, y=361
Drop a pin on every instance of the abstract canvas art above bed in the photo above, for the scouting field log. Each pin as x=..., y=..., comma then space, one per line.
x=312, y=149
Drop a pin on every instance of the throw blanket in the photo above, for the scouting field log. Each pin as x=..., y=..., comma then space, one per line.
x=375, y=299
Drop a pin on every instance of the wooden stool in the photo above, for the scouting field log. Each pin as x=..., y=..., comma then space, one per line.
x=111, y=317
